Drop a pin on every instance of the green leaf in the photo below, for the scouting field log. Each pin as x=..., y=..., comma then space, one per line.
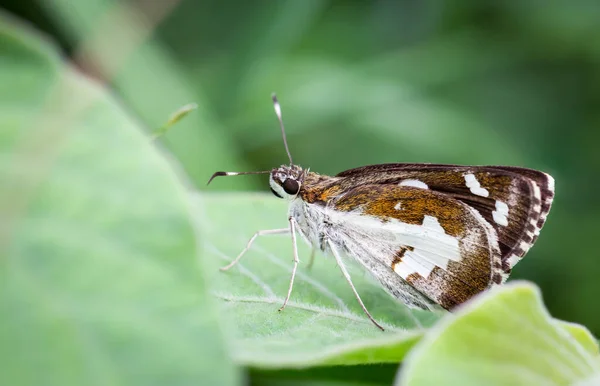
x=363, y=375
x=99, y=259
x=582, y=335
x=505, y=337
x=322, y=324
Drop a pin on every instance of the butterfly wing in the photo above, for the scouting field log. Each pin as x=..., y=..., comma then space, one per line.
x=441, y=246
x=514, y=201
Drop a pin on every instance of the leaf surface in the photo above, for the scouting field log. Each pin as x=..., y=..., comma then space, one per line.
x=100, y=277
x=504, y=337
x=323, y=323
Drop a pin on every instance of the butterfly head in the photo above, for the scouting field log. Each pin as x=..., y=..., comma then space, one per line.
x=286, y=181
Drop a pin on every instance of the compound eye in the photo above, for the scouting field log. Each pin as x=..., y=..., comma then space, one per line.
x=291, y=186
x=275, y=193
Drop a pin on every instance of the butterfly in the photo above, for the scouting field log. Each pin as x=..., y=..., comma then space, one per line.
x=433, y=235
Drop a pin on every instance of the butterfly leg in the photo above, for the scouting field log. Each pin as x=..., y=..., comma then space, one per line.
x=340, y=264
x=292, y=229
x=259, y=233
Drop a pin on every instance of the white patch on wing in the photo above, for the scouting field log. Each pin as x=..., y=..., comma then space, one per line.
x=536, y=229
x=513, y=260
x=368, y=235
x=404, y=270
x=474, y=186
x=500, y=215
x=365, y=237
x=424, y=260
x=398, y=206
x=550, y=182
x=414, y=183
x=412, y=263
x=537, y=193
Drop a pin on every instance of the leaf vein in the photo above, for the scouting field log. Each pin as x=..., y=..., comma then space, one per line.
x=302, y=306
x=244, y=271
x=315, y=283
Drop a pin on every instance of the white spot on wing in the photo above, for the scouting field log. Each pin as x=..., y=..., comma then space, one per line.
x=438, y=251
x=513, y=260
x=474, y=186
x=434, y=230
x=369, y=236
x=404, y=270
x=550, y=182
x=398, y=206
x=412, y=263
x=414, y=183
x=432, y=223
x=536, y=191
x=500, y=215
x=536, y=229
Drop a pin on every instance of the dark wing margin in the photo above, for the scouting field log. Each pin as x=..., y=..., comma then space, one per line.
x=514, y=201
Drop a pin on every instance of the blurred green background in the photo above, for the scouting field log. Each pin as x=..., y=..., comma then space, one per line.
x=363, y=82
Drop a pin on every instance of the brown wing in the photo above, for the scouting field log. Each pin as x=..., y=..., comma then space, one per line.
x=444, y=248
x=524, y=195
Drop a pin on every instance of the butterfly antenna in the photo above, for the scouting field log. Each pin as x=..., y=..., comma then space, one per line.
x=278, y=113
x=220, y=174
